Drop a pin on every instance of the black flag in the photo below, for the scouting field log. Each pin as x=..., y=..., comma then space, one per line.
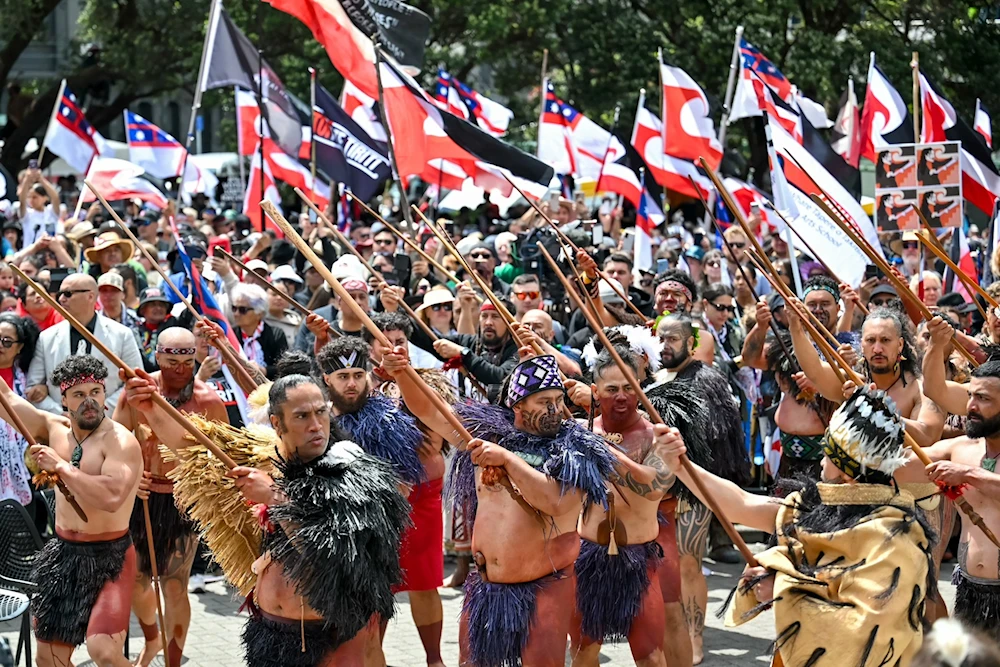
x=345, y=152
x=402, y=30
x=231, y=59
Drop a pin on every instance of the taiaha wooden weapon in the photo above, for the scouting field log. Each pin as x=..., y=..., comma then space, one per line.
x=955, y=493
x=409, y=243
x=931, y=241
x=654, y=416
x=246, y=382
x=576, y=248
x=274, y=289
x=901, y=287
x=18, y=425
x=349, y=303
x=378, y=274
x=738, y=214
x=130, y=373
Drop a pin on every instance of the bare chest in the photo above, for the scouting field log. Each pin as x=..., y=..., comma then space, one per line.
x=87, y=455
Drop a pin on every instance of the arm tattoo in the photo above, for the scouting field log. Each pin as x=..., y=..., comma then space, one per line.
x=662, y=482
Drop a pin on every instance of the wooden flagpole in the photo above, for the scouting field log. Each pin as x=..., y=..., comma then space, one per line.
x=52, y=118
x=917, y=105
x=130, y=373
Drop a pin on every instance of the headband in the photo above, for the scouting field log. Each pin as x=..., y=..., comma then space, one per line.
x=355, y=359
x=826, y=288
x=81, y=379
x=677, y=287
x=180, y=351
x=487, y=305
x=355, y=284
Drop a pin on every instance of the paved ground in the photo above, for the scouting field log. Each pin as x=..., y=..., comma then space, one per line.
x=215, y=630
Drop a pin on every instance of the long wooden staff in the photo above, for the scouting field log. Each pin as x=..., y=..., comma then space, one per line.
x=153, y=568
x=171, y=411
x=410, y=244
x=576, y=248
x=654, y=416
x=901, y=287
x=951, y=492
x=788, y=223
x=970, y=284
x=18, y=425
x=232, y=360
x=378, y=274
x=349, y=303
x=273, y=288
x=751, y=285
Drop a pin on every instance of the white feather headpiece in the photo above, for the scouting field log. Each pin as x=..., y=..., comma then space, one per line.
x=641, y=340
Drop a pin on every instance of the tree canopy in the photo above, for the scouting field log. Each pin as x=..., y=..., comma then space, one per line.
x=599, y=53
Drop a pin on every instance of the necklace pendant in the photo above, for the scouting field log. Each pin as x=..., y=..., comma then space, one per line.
x=614, y=438
x=989, y=464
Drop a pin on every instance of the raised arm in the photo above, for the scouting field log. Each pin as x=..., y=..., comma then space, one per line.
x=414, y=397
x=749, y=509
x=817, y=370
x=753, y=344
x=116, y=484
x=952, y=397
x=538, y=489
x=926, y=422
x=138, y=393
x=650, y=479
x=36, y=421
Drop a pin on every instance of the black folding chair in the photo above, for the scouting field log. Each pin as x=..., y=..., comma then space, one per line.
x=19, y=544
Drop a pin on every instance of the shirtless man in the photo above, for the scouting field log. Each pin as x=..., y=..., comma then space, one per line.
x=174, y=538
x=84, y=575
x=801, y=416
x=628, y=571
x=525, y=541
x=321, y=615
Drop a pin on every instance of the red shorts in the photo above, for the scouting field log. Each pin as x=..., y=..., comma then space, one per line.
x=421, y=555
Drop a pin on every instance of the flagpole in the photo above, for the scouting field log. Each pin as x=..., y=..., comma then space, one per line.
x=384, y=113
x=915, y=67
x=312, y=126
x=261, y=99
x=213, y=25
x=663, y=100
x=607, y=149
x=541, y=95
x=239, y=139
x=730, y=86
x=52, y=117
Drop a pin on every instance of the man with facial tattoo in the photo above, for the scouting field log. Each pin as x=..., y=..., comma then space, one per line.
x=174, y=539
x=525, y=478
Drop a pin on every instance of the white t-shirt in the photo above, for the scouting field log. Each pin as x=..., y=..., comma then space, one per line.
x=35, y=223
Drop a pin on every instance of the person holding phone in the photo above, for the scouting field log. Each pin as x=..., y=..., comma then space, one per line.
x=37, y=212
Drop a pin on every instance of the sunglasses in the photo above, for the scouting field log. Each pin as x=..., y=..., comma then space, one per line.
x=69, y=292
x=910, y=245
x=8, y=342
x=438, y=307
x=242, y=310
x=384, y=242
x=721, y=308
x=483, y=256
x=713, y=263
x=146, y=222
x=525, y=296
x=738, y=244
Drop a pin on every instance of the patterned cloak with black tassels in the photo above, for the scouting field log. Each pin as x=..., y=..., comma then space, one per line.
x=578, y=458
x=853, y=567
x=700, y=403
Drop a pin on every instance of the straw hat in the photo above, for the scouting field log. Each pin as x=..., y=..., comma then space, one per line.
x=80, y=230
x=896, y=245
x=105, y=241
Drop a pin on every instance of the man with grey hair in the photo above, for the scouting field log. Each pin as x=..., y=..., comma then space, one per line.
x=78, y=295
x=262, y=344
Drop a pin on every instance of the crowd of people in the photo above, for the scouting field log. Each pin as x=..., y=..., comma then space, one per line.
x=446, y=397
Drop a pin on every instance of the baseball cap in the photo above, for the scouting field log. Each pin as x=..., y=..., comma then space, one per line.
x=257, y=265
x=884, y=289
x=111, y=279
x=285, y=272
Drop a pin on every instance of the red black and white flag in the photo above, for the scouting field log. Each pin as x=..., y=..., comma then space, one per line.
x=940, y=122
x=983, y=124
x=885, y=121
x=672, y=173
x=688, y=129
x=846, y=134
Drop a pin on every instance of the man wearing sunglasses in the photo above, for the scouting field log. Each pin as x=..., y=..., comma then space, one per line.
x=526, y=295
x=483, y=261
x=78, y=295
x=384, y=240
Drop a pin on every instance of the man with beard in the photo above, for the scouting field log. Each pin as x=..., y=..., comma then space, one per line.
x=851, y=569
x=728, y=459
x=969, y=463
x=620, y=558
x=420, y=556
x=332, y=517
x=488, y=356
x=801, y=416
x=84, y=575
x=174, y=539
x=519, y=602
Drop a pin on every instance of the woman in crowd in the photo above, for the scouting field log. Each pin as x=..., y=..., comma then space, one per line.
x=262, y=343
x=437, y=310
x=32, y=306
x=17, y=345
